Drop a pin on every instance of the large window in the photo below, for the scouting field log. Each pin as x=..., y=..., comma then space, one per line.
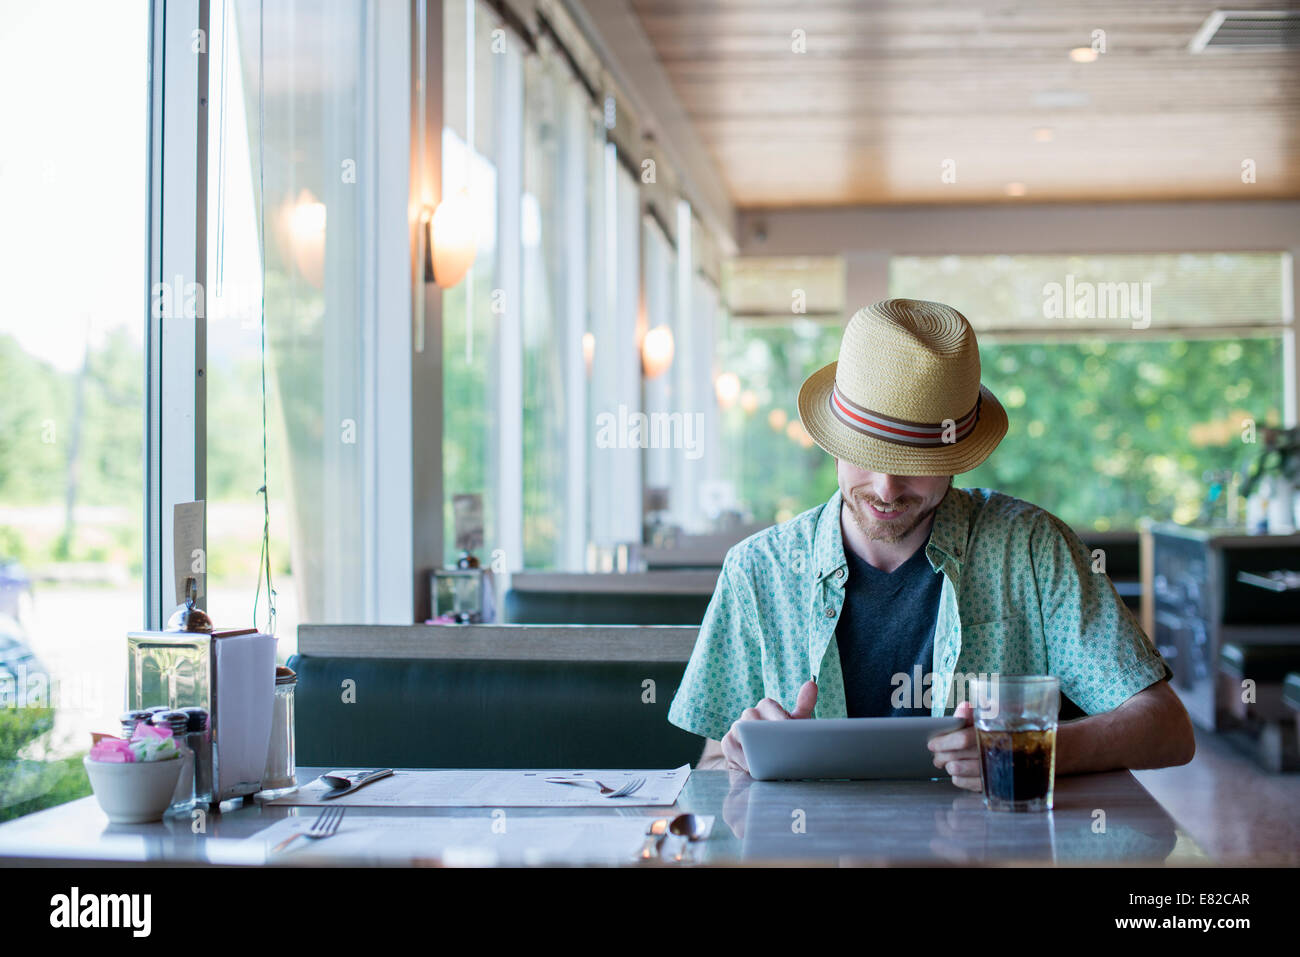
x=480, y=314
x=662, y=396
x=73, y=243
x=295, y=148
x=615, y=466
x=707, y=498
x=560, y=123
x=541, y=339
x=776, y=469
x=1140, y=372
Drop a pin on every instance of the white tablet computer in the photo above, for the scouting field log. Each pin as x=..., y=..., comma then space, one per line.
x=856, y=748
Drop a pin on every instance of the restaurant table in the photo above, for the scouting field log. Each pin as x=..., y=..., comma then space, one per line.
x=1107, y=819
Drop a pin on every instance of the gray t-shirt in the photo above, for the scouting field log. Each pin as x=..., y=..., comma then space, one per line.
x=886, y=628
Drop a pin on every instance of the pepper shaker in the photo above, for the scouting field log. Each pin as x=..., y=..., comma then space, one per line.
x=199, y=738
x=178, y=721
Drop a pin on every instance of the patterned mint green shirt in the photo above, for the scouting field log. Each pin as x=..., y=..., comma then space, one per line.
x=1020, y=596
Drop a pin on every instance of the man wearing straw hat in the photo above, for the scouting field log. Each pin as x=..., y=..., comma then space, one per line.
x=885, y=600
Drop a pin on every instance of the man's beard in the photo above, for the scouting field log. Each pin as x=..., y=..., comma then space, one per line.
x=880, y=530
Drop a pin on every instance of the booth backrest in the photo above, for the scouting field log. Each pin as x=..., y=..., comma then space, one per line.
x=490, y=696
x=645, y=598
x=1122, y=556
x=1263, y=662
x=1291, y=694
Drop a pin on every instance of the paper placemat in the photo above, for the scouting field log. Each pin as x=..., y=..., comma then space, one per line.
x=497, y=788
x=485, y=840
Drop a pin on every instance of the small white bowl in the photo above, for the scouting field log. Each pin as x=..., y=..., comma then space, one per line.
x=134, y=793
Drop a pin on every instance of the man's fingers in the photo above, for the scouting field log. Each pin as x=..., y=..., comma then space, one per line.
x=963, y=768
x=956, y=754
x=734, y=753
x=962, y=739
x=806, y=702
x=769, y=709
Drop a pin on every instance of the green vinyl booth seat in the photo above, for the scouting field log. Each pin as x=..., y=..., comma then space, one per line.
x=487, y=713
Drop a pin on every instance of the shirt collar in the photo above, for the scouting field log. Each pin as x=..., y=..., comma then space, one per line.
x=948, y=535
x=828, y=540
x=951, y=527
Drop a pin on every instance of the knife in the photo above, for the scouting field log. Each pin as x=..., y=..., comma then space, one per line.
x=654, y=838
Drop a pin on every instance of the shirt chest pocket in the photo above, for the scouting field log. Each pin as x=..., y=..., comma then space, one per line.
x=1004, y=646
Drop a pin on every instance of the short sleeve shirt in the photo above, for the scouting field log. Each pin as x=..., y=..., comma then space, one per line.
x=1021, y=595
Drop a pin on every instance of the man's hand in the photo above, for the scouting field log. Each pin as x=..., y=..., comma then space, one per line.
x=767, y=710
x=956, y=751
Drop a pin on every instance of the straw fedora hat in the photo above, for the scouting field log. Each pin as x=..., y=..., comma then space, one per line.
x=905, y=396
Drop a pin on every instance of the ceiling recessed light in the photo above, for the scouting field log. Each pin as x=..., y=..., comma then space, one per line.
x=1043, y=134
x=1083, y=54
x=1015, y=189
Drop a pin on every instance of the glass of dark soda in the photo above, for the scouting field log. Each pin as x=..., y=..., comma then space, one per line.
x=1015, y=729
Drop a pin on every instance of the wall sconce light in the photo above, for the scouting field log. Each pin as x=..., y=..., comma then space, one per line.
x=449, y=243
x=303, y=225
x=727, y=387
x=657, y=351
x=777, y=420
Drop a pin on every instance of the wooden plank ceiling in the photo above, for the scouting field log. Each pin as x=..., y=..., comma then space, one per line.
x=887, y=91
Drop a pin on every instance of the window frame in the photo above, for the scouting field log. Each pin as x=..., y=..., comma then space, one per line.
x=175, y=415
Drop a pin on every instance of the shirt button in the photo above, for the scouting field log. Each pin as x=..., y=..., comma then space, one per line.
x=839, y=573
x=830, y=612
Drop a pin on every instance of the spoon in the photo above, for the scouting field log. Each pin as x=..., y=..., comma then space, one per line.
x=689, y=828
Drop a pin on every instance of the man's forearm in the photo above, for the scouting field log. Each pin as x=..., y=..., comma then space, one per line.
x=1150, y=730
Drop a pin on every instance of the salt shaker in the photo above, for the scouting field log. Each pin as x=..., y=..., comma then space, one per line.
x=279, y=776
x=130, y=720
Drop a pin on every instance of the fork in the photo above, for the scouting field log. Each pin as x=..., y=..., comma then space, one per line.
x=324, y=826
x=630, y=786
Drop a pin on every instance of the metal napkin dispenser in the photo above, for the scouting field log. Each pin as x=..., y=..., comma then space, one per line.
x=232, y=675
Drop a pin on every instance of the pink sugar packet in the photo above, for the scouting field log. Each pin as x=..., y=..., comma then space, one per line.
x=113, y=750
x=151, y=732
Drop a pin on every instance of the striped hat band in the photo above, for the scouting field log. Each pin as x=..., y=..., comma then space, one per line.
x=901, y=431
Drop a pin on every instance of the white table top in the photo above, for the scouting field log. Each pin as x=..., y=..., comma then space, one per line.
x=817, y=823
